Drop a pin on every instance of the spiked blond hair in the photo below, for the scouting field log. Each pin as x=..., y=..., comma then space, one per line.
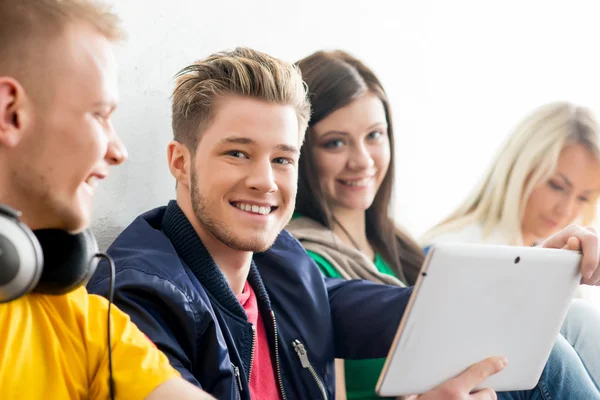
x=242, y=72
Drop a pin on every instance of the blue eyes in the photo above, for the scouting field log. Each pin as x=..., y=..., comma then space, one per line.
x=237, y=154
x=242, y=155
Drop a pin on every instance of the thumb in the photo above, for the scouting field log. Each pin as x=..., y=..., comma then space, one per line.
x=573, y=244
x=477, y=373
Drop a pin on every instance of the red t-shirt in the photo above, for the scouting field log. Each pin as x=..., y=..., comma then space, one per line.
x=262, y=379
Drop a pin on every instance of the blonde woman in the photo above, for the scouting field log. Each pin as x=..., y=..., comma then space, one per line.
x=545, y=177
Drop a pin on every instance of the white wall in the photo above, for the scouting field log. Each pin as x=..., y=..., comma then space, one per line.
x=459, y=74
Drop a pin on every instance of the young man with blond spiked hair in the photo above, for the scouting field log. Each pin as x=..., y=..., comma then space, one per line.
x=233, y=300
x=58, y=89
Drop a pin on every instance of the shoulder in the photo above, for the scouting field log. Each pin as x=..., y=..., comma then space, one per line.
x=146, y=259
x=288, y=244
x=287, y=258
x=35, y=308
x=132, y=350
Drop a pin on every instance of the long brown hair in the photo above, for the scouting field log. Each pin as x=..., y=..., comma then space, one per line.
x=334, y=80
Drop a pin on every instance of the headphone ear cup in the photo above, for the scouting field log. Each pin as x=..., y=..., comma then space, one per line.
x=21, y=258
x=69, y=260
x=90, y=253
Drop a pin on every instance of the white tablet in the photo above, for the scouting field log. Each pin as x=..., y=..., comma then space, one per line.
x=476, y=301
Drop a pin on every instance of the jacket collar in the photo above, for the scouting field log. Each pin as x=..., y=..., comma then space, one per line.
x=191, y=250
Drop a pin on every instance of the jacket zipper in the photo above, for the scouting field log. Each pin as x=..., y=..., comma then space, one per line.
x=299, y=347
x=277, y=357
x=252, y=351
x=238, y=380
x=236, y=370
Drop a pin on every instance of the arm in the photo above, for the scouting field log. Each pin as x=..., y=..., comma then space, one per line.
x=180, y=389
x=340, y=379
x=161, y=311
x=138, y=367
x=329, y=271
x=365, y=316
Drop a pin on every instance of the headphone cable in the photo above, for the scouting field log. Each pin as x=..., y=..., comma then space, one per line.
x=111, y=291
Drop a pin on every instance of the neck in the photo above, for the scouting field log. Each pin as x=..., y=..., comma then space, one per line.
x=353, y=230
x=234, y=264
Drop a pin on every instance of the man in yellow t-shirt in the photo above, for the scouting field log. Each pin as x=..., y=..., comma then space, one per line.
x=58, y=89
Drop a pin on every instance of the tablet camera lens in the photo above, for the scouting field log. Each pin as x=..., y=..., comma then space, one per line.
x=517, y=260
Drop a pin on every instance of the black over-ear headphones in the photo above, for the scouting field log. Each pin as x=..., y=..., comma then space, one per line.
x=49, y=261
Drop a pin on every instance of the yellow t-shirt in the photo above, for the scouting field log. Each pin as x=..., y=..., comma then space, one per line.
x=55, y=347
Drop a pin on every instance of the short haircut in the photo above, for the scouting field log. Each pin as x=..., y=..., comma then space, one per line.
x=239, y=72
x=27, y=26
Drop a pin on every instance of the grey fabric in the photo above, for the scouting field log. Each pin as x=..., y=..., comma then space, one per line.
x=348, y=261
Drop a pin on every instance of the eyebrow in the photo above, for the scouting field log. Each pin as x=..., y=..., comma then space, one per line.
x=236, y=140
x=247, y=141
x=346, y=133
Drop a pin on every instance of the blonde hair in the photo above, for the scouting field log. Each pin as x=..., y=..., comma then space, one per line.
x=26, y=26
x=240, y=72
x=528, y=157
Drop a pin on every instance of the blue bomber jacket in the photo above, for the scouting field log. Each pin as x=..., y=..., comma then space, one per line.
x=172, y=289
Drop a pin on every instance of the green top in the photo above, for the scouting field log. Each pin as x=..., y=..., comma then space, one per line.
x=361, y=375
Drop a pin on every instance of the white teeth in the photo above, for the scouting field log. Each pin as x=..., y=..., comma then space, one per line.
x=254, y=208
x=361, y=182
x=92, y=181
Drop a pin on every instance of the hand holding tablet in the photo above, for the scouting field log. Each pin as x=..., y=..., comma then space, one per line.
x=472, y=302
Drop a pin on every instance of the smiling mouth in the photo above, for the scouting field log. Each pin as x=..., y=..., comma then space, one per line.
x=549, y=221
x=261, y=210
x=356, y=183
x=92, y=182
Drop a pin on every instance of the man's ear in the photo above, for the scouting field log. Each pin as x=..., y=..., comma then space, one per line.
x=180, y=162
x=13, y=116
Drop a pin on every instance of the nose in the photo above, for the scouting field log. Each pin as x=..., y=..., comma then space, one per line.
x=116, y=153
x=360, y=158
x=261, y=177
x=566, y=206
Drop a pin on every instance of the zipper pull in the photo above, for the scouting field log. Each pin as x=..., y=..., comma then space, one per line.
x=236, y=372
x=299, y=347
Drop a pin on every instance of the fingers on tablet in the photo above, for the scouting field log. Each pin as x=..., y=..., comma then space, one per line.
x=477, y=373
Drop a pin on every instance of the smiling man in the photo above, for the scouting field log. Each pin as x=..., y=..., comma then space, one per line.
x=238, y=121
x=234, y=301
